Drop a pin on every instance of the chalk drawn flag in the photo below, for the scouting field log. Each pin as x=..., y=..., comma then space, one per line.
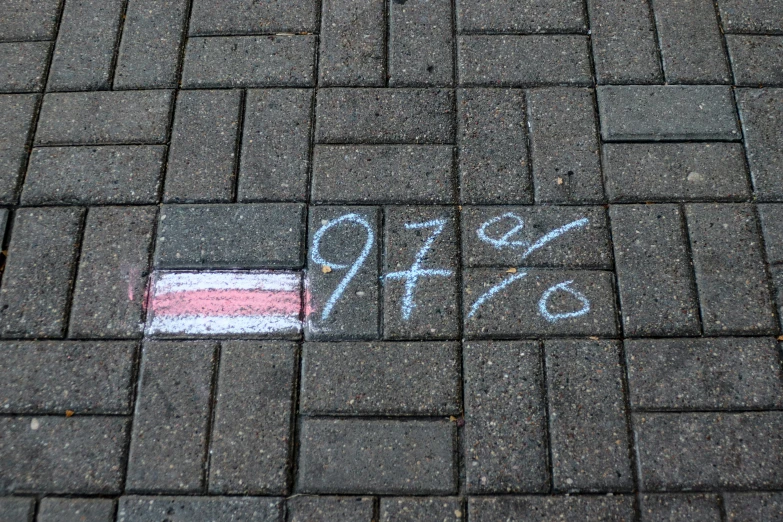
x=223, y=303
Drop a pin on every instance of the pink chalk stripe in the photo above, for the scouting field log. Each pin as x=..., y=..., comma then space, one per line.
x=227, y=303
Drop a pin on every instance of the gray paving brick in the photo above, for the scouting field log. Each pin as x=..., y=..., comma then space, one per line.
x=52, y=377
x=777, y=279
x=345, y=57
x=730, y=275
x=250, y=446
x=112, y=276
x=59, y=455
x=149, y=51
x=16, y=112
x=587, y=421
x=418, y=304
x=111, y=174
x=39, y=272
x=23, y=65
x=384, y=116
x=26, y=20
x=564, y=146
x=17, y=509
x=200, y=509
x=169, y=439
x=544, y=508
x=355, y=456
x=654, y=273
x=759, y=109
x=249, y=16
x=709, y=450
x=505, y=420
x=84, y=50
x=76, y=509
x=3, y=222
x=354, y=313
x=493, y=163
x=647, y=172
x=275, y=145
x=523, y=61
x=659, y=507
x=383, y=174
x=484, y=230
x=691, y=41
x=420, y=43
x=325, y=509
x=413, y=509
x=380, y=379
x=625, y=50
x=772, y=226
x=751, y=16
x=231, y=236
x=756, y=60
x=667, y=112
x=747, y=507
x=703, y=374
x=203, y=142
x=249, y=61
x=515, y=310
x=497, y=16
x=104, y=118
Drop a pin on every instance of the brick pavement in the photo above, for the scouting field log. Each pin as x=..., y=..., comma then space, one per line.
x=540, y=246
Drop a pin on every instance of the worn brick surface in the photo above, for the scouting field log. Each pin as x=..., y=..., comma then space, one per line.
x=751, y=16
x=547, y=16
x=17, y=112
x=76, y=509
x=25, y=20
x=759, y=109
x=541, y=508
x=747, y=507
x=23, y=65
x=200, y=509
x=411, y=509
x=771, y=216
x=324, y=509
x=756, y=60
x=420, y=43
x=673, y=507
x=248, y=16
x=17, y=509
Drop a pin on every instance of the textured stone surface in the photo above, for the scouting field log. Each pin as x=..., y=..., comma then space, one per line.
x=759, y=109
x=76, y=509
x=751, y=16
x=756, y=60
x=17, y=112
x=673, y=507
x=200, y=509
x=26, y=20
x=420, y=43
x=23, y=65
x=747, y=507
x=17, y=509
x=523, y=17
x=544, y=508
x=248, y=16
x=412, y=509
x=772, y=227
x=345, y=60
x=324, y=509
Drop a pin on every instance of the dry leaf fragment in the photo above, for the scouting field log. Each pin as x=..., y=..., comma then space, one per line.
x=559, y=181
x=511, y=271
x=594, y=338
x=326, y=269
x=780, y=337
x=452, y=418
x=69, y=413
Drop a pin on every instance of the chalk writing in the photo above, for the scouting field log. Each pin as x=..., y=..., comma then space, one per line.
x=544, y=310
x=492, y=291
x=504, y=240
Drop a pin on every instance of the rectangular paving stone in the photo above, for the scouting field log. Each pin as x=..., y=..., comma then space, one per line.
x=523, y=61
x=301, y=508
x=493, y=162
x=86, y=39
x=356, y=456
x=777, y=279
x=709, y=450
x=587, y=420
x=94, y=175
x=25, y=20
x=148, y=57
x=55, y=376
x=275, y=145
x=39, y=272
x=17, y=112
x=200, y=509
x=503, y=237
x=756, y=60
x=670, y=507
x=202, y=155
x=772, y=227
x=352, y=43
x=354, y=312
x=647, y=172
x=76, y=509
x=625, y=49
x=730, y=276
x=248, y=16
x=418, y=304
x=413, y=509
x=104, y=118
x=23, y=66
x=420, y=43
x=564, y=146
x=17, y=509
x=751, y=16
x=169, y=439
x=110, y=286
x=3, y=222
x=250, y=446
x=383, y=174
x=542, y=508
x=515, y=309
x=231, y=236
x=654, y=273
x=59, y=455
x=704, y=374
x=691, y=42
x=380, y=379
x=667, y=112
x=509, y=16
x=249, y=61
x=384, y=116
x=759, y=109
x=505, y=418
x=750, y=506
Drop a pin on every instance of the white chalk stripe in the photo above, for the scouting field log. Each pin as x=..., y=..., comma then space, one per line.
x=212, y=325
x=167, y=282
